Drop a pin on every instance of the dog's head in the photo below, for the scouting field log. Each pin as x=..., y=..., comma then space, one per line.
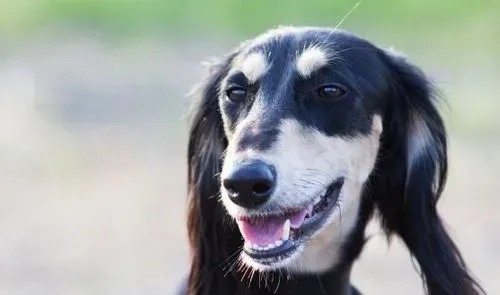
x=302, y=126
x=302, y=112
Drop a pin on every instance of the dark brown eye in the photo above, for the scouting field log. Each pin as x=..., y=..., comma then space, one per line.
x=330, y=92
x=236, y=94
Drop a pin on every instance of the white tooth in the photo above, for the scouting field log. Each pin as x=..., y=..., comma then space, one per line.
x=255, y=246
x=286, y=230
x=278, y=243
x=270, y=246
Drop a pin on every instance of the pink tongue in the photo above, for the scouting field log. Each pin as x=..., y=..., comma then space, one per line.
x=267, y=231
x=297, y=219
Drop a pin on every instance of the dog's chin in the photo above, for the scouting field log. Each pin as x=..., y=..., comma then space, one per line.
x=275, y=240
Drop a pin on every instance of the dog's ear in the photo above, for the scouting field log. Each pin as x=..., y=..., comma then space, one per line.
x=410, y=176
x=206, y=145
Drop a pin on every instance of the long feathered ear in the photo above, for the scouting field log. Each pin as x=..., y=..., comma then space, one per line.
x=410, y=176
x=205, y=215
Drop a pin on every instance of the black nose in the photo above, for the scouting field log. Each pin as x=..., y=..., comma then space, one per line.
x=250, y=184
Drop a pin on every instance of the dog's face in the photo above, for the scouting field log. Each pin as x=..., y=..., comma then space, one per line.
x=302, y=115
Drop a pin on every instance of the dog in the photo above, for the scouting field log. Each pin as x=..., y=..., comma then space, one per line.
x=298, y=138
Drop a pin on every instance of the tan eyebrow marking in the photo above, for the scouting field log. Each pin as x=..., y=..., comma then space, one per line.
x=311, y=60
x=254, y=66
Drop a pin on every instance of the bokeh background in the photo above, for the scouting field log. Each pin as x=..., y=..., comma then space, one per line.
x=93, y=132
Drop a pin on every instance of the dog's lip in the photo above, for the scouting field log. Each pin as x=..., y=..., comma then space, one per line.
x=263, y=215
x=289, y=210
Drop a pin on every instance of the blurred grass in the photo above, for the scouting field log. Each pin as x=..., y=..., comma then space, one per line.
x=240, y=17
x=452, y=34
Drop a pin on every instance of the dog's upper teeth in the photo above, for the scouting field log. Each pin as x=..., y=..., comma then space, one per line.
x=309, y=211
x=317, y=200
x=286, y=230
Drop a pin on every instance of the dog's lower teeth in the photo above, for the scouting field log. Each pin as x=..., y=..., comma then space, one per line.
x=265, y=248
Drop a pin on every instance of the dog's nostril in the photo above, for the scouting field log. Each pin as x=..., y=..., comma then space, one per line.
x=261, y=187
x=231, y=190
x=250, y=184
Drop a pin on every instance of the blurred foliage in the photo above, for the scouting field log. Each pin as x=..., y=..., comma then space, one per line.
x=459, y=35
x=237, y=17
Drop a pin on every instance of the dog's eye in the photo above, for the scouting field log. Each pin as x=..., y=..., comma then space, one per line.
x=236, y=94
x=330, y=91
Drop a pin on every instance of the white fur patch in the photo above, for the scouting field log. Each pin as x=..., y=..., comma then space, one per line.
x=307, y=161
x=324, y=250
x=254, y=66
x=419, y=141
x=311, y=60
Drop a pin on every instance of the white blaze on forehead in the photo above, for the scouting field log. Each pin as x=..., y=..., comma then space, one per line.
x=254, y=66
x=311, y=60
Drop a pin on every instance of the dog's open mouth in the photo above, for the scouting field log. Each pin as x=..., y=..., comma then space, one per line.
x=273, y=237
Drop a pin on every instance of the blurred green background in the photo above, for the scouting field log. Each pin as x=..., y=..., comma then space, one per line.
x=225, y=16
x=93, y=133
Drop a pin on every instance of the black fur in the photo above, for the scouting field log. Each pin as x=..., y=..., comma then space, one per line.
x=405, y=193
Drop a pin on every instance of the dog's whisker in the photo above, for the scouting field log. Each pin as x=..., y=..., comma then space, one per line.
x=217, y=195
x=229, y=258
x=312, y=183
